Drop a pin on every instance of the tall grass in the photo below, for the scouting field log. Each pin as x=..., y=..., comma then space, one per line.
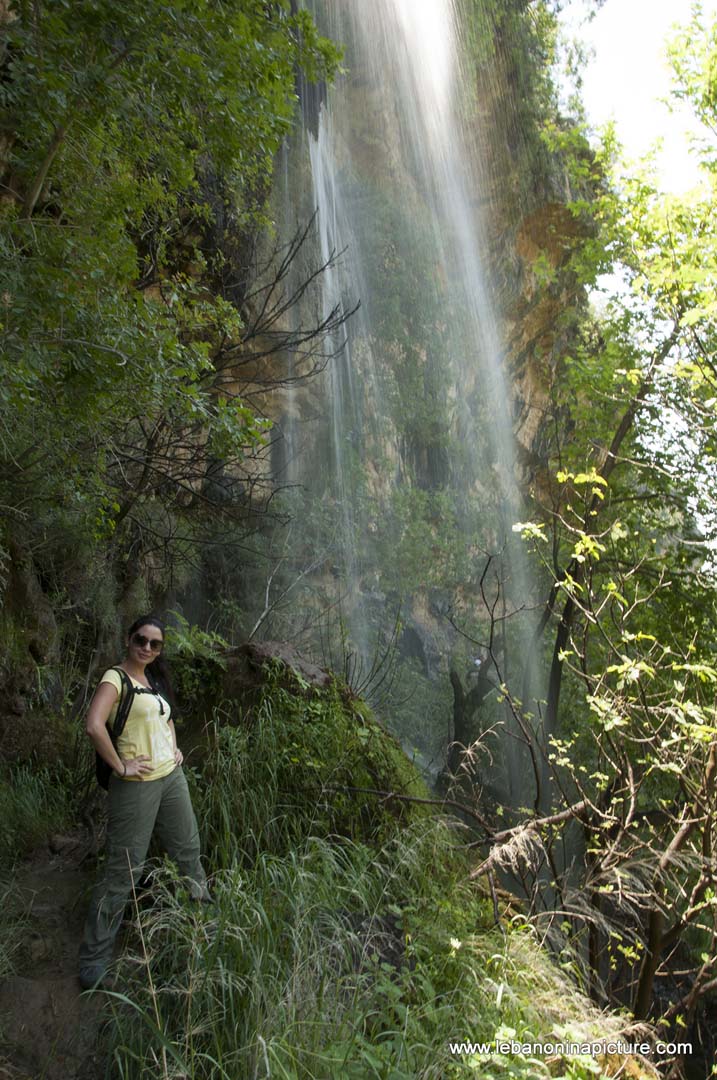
x=13, y=922
x=334, y=962
x=324, y=957
x=34, y=802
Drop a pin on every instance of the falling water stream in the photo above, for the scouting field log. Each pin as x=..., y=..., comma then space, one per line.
x=396, y=180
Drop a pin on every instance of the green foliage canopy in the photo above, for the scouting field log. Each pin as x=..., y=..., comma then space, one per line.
x=129, y=131
x=629, y=713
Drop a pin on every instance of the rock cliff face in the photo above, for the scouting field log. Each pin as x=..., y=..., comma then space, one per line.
x=536, y=329
x=384, y=439
x=404, y=396
x=395, y=442
x=532, y=229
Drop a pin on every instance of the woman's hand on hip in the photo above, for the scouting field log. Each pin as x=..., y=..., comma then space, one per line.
x=178, y=756
x=138, y=766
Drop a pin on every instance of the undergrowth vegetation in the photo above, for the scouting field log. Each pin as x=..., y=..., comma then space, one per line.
x=326, y=954
x=34, y=802
x=306, y=761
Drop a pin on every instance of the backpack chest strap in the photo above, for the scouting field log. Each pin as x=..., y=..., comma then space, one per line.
x=155, y=693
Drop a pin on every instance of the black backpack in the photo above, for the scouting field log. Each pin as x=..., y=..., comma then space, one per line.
x=103, y=771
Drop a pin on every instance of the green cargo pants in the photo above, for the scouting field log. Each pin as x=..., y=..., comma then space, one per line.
x=135, y=808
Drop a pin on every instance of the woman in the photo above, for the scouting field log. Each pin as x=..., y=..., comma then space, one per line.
x=147, y=789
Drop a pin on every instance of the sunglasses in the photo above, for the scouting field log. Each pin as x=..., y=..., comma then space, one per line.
x=155, y=644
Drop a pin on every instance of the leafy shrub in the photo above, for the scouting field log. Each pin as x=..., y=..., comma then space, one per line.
x=196, y=657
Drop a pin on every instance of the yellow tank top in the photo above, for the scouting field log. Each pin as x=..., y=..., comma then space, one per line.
x=146, y=731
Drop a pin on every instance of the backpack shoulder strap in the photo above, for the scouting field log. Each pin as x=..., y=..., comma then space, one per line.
x=125, y=703
x=155, y=687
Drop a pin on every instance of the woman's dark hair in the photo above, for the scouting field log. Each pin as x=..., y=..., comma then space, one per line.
x=158, y=670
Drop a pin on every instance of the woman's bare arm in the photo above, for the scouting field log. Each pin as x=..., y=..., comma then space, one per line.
x=96, y=726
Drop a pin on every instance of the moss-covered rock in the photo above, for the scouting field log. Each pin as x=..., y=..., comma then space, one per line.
x=294, y=734
x=332, y=749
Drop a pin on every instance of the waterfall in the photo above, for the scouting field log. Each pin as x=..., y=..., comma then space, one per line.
x=417, y=401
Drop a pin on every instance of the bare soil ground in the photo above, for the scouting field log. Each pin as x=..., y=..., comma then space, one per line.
x=49, y=1029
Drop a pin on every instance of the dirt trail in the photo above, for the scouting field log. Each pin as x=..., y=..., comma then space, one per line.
x=48, y=1029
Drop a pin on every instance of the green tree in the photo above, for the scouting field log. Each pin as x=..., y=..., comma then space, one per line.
x=138, y=150
x=625, y=531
